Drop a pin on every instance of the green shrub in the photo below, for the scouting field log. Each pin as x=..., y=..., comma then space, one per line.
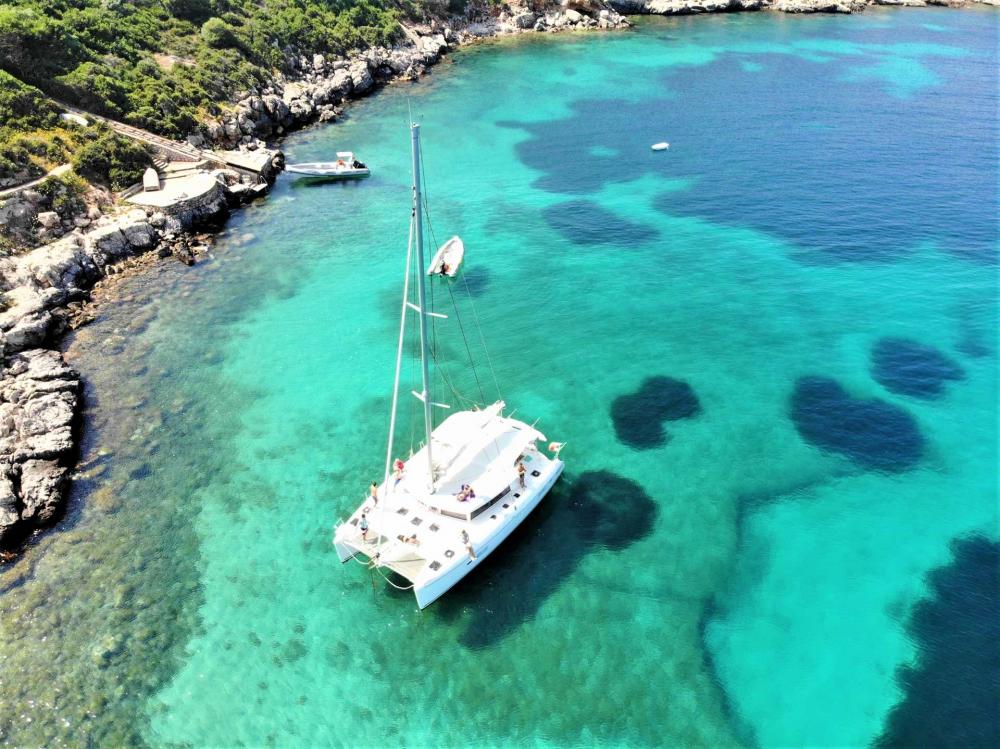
x=65, y=193
x=24, y=107
x=111, y=160
x=219, y=34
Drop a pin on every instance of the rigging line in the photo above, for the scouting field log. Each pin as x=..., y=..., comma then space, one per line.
x=439, y=364
x=399, y=352
x=397, y=587
x=482, y=339
x=395, y=384
x=472, y=363
x=451, y=385
x=468, y=291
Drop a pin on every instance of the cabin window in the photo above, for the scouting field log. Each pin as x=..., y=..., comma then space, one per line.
x=479, y=511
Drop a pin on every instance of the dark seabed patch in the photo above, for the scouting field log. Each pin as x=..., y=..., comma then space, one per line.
x=910, y=368
x=474, y=281
x=953, y=692
x=585, y=222
x=599, y=509
x=868, y=199
x=638, y=417
x=874, y=434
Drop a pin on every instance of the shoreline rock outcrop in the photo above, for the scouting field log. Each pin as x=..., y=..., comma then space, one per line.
x=319, y=86
x=690, y=7
x=42, y=293
x=39, y=404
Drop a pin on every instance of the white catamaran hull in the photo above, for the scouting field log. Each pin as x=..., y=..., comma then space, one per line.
x=431, y=590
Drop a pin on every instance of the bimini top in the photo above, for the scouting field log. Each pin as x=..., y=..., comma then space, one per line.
x=345, y=155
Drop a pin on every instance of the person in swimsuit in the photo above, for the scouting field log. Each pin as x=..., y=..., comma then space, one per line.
x=521, y=470
x=468, y=543
x=363, y=525
x=373, y=490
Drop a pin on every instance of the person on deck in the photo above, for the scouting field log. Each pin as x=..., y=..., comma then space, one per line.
x=363, y=525
x=468, y=543
x=373, y=490
x=521, y=470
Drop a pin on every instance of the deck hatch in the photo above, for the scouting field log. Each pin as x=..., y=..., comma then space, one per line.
x=417, y=520
x=402, y=511
x=435, y=565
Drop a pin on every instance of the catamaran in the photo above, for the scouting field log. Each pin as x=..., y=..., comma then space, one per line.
x=478, y=474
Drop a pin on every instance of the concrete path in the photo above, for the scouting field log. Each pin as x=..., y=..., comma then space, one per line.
x=61, y=169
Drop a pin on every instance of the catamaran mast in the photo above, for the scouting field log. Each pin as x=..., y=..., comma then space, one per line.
x=425, y=396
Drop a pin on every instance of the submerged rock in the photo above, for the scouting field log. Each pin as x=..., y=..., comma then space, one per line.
x=910, y=368
x=874, y=434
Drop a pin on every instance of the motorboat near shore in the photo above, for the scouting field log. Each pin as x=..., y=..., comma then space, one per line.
x=345, y=167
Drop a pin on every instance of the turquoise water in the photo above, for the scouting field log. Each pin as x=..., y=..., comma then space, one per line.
x=771, y=350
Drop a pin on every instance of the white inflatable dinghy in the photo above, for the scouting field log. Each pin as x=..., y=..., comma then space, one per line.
x=447, y=259
x=661, y=146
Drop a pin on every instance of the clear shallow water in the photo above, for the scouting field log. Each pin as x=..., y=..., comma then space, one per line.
x=803, y=288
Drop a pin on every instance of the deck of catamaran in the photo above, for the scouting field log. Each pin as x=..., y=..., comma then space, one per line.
x=432, y=538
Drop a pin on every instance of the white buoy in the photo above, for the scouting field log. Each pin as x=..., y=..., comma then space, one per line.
x=661, y=146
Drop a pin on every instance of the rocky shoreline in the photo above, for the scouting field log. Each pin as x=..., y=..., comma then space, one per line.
x=46, y=291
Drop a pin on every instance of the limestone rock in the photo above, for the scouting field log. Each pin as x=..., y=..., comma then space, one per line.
x=39, y=398
x=524, y=20
x=31, y=330
x=361, y=78
x=42, y=485
x=49, y=219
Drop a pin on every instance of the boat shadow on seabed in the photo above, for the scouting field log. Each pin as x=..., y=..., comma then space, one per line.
x=599, y=509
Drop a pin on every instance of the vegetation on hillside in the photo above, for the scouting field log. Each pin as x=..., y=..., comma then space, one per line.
x=159, y=64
